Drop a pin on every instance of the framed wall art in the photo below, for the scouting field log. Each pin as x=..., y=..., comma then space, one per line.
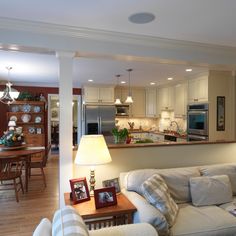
x=105, y=197
x=79, y=190
x=220, y=113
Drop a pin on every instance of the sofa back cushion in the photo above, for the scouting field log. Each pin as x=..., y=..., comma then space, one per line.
x=44, y=228
x=156, y=193
x=225, y=169
x=134, y=179
x=210, y=190
x=67, y=221
x=177, y=180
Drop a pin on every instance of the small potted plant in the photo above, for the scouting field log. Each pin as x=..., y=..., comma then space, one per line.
x=120, y=135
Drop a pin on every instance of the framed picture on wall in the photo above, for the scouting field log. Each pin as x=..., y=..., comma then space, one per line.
x=220, y=113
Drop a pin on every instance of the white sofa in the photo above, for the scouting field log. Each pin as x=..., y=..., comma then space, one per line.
x=191, y=220
x=67, y=222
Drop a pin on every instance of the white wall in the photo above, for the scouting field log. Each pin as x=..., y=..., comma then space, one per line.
x=125, y=159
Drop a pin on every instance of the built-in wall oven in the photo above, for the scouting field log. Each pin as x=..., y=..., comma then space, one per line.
x=197, y=122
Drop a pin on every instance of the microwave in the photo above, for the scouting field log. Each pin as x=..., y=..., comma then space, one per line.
x=122, y=110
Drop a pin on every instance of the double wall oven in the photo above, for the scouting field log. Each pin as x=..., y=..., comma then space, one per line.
x=197, y=122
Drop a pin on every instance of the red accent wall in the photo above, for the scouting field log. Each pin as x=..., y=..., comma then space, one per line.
x=33, y=91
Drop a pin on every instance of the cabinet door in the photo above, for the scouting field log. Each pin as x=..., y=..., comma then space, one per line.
x=106, y=94
x=203, y=89
x=180, y=101
x=138, y=107
x=192, y=90
x=166, y=98
x=91, y=94
x=151, y=102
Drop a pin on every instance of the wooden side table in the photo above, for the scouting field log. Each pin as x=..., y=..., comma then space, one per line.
x=119, y=214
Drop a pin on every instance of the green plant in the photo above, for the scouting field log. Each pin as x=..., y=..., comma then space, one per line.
x=120, y=135
x=147, y=140
x=25, y=96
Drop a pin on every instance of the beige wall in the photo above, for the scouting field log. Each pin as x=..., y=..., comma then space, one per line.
x=126, y=159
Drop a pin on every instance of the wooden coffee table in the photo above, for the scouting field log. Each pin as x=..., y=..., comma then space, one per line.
x=119, y=214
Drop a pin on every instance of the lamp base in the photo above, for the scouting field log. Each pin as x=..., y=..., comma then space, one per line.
x=92, y=181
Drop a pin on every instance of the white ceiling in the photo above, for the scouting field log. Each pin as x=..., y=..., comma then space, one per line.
x=205, y=21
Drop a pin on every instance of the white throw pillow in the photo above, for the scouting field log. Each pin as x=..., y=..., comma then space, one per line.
x=210, y=190
x=67, y=221
x=44, y=228
x=156, y=193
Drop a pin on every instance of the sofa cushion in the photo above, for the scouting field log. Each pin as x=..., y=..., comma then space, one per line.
x=229, y=206
x=203, y=221
x=156, y=192
x=134, y=179
x=44, y=228
x=225, y=169
x=177, y=180
x=210, y=190
x=67, y=221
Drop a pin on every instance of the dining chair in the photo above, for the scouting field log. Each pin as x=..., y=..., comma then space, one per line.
x=39, y=162
x=10, y=175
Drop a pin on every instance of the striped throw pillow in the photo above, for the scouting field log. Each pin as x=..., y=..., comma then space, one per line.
x=67, y=221
x=156, y=193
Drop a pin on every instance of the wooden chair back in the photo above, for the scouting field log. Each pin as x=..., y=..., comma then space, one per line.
x=45, y=157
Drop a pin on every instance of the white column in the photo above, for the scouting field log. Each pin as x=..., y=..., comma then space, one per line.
x=66, y=123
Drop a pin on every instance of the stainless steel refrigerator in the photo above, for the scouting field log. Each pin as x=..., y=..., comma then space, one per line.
x=99, y=119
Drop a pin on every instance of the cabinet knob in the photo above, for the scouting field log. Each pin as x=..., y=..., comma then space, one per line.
x=195, y=99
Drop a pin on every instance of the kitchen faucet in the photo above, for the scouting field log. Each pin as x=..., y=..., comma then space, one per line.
x=177, y=125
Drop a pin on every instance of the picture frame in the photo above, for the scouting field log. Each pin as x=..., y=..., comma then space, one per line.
x=105, y=197
x=220, y=113
x=112, y=182
x=38, y=130
x=79, y=190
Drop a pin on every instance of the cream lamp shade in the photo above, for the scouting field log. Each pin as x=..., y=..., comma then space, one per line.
x=92, y=151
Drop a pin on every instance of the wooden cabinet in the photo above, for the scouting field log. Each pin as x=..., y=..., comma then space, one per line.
x=151, y=102
x=165, y=99
x=198, y=89
x=137, y=109
x=180, y=101
x=98, y=94
x=30, y=115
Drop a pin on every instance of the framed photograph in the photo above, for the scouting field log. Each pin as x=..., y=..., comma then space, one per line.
x=105, y=197
x=38, y=130
x=79, y=190
x=112, y=183
x=220, y=123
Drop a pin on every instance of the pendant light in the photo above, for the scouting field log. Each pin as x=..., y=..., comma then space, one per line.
x=9, y=94
x=129, y=97
x=117, y=101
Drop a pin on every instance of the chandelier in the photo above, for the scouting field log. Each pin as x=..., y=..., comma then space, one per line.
x=9, y=94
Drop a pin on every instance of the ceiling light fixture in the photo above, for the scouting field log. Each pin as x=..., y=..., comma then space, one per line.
x=189, y=70
x=90, y=80
x=142, y=18
x=122, y=82
x=170, y=78
x=9, y=94
x=117, y=101
x=129, y=97
x=152, y=83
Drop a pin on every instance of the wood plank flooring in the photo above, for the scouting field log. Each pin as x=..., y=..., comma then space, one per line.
x=20, y=219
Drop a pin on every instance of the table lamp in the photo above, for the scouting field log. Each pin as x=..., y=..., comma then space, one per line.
x=11, y=124
x=92, y=151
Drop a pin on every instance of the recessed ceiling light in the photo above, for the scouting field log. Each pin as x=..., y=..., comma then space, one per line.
x=170, y=78
x=189, y=70
x=142, y=18
x=90, y=80
x=122, y=82
x=152, y=83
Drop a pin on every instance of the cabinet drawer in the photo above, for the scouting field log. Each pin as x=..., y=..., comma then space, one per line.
x=35, y=139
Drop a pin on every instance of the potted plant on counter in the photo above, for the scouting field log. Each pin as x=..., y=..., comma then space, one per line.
x=120, y=135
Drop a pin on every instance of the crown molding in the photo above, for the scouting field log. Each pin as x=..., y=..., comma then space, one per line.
x=105, y=36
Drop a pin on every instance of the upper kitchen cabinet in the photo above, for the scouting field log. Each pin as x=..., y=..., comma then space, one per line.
x=180, y=101
x=137, y=109
x=151, y=102
x=98, y=94
x=198, y=89
x=165, y=99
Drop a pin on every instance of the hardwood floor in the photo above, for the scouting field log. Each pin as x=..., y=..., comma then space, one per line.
x=20, y=219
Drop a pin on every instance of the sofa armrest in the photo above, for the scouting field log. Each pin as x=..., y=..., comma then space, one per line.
x=126, y=230
x=146, y=213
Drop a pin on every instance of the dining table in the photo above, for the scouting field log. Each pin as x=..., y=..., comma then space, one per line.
x=24, y=152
